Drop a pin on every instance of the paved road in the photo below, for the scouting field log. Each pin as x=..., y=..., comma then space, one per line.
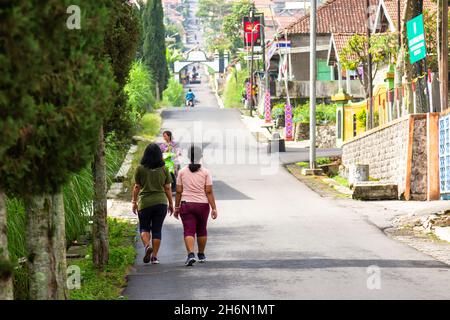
x=275, y=238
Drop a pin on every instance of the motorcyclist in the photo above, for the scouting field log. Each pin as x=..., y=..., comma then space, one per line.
x=190, y=97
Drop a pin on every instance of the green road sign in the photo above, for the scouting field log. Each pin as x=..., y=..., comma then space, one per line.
x=416, y=39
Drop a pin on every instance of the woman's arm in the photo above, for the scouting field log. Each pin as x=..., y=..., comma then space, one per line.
x=212, y=201
x=168, y=191
x=136, y=190
x=178, y=200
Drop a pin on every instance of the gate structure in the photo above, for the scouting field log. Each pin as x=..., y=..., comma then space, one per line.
x=218, y=64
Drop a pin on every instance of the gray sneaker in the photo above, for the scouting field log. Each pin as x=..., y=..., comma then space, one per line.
x=201, y=257
x=190, y=261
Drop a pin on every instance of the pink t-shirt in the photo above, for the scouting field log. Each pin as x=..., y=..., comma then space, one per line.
x=194, y=184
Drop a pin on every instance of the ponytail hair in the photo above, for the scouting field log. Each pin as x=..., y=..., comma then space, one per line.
x=195, y=155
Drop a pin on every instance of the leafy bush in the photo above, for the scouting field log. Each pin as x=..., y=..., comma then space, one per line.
x=321, y=161
x=235, y=86
x=301, y=114
x=174, y=94
x=139, y=89
x=325, y=114
x=361, y=118
x=150, y=125
x=278, y=110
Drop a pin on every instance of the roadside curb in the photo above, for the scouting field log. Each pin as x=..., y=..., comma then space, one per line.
x=219, y=101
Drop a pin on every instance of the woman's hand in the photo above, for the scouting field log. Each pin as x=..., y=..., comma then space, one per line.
x=177, y=213
x=135, y=207
x=214, y=214
x=171, y=209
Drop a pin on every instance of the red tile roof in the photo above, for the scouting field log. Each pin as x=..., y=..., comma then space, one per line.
x=342, y=16
x=340, y=41
x=392, y=8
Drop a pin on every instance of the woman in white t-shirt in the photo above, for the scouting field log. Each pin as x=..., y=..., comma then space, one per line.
x=194, y=201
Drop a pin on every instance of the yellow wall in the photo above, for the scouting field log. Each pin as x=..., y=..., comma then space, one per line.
x=380, y=106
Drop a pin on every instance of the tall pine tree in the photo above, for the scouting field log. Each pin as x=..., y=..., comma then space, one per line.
x=154, y=52
x=121, y=42
x=55, y=89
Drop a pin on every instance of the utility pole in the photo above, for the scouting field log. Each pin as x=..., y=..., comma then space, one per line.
x=443, y=63
x=312, y=85
x=399, y=24
x=266, y=69
x=252, y=39
x=370, y=121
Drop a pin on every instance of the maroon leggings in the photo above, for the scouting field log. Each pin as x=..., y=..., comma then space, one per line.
x=195, y=218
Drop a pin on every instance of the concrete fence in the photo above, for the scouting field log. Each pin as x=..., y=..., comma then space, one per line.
x=404, y=152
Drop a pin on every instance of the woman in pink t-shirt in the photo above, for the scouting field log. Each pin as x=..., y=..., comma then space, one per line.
x=194, y=200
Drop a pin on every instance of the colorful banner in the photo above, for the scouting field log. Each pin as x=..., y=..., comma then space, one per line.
x=288, y=122
x=252, y=31
x=267, y=109
x=248, y=89
x=270, y=52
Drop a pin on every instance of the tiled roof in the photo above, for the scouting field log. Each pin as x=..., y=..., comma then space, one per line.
x=340, y=41
x=392, y=8
x=336, y=16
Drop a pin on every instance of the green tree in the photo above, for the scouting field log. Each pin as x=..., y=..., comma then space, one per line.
x=232, y=24
x=383, y=47
x=174, y=93
x=55, y=87
x=140, y=88
x=211, y=13
x=121, y=41
x=154, y=51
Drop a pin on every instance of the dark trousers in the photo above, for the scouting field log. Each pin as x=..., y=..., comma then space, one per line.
x=151, y=219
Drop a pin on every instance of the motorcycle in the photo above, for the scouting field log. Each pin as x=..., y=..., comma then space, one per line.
x=190, y=103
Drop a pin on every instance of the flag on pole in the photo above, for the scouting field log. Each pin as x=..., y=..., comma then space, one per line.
x=288, y=122
x=271, y=50
x=267, y=109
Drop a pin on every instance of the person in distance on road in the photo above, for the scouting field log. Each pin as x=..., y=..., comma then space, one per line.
x=190, y=97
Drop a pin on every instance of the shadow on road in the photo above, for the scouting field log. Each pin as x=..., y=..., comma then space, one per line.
x=323, y=264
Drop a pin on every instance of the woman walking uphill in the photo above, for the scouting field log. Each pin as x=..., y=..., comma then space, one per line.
x=194, y=200
x=152, y=185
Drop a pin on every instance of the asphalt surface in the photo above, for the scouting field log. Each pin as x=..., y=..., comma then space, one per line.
x=275, y=238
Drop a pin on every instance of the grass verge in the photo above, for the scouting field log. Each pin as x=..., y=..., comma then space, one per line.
x=342, y=181
x=234, y=88
x=109, y=284
x=150, y=125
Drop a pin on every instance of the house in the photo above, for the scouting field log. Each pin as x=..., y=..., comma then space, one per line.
x=387, y=98
x=333, y=17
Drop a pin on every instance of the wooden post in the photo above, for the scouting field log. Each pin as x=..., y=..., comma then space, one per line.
x=443, y=63
x=433, y=189
x=409, y=158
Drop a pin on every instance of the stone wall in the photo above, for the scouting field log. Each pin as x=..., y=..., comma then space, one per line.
x=419, y=161
x=325, y=135
x=385, y=150
x=301, y=131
